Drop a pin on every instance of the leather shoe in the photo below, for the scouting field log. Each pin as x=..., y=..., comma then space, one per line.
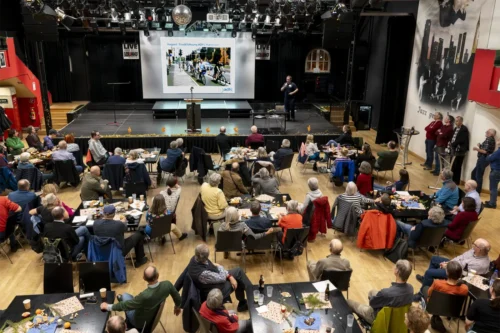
x=141, y=262
x=487, y=205
x=420, y=278
x=183, y=236
x=242, y=306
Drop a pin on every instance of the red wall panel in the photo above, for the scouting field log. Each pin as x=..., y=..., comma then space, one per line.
x=485, y=79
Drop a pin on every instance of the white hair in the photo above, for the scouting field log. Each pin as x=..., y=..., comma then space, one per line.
x=264, y=173
x=214, y=299
x=118, y=151
x=292, y=206
x=253, y=129
x=313, y=183
x=25, y=157
x=173, y=144
x=62, y=144
x=232, y=215
x=286, y=143
x=351, y=188
x=214, y=179
x=180, y=142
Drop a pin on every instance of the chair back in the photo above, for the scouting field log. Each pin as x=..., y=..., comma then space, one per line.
x=65, y=171
x=481, y=209
x=469, y=229
x=208, y=163
x=431, y=237
x=446, y=305
x=150, y=327
x=78, y=157
x=387, y=163
x=57, y=278
x=206, y=326
x=161, y=226
x=136, y=187
x=93, y=276
x=340, y=279
x=256, y=145
x=114, y=173
x=307, y=214
x=286, y=162
x=265, y=243
x=228, y=241
x=390, y=319
x=296, y=235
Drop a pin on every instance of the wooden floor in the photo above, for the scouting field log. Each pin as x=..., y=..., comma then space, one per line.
x=371, y=271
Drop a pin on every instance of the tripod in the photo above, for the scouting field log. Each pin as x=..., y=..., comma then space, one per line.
x=113, y=85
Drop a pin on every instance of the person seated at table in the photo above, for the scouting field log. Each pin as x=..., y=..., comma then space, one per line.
x=255, y=137
x=447, y=195
x=33, y=139
x=350, y=197
x=344, y=139
x=72, y=146
x=278, y=156
x=24, y=163
x=476, y=259
x=207, y=276
x=135, y=170
x=417, y=320
x=159, y=209
x=366, y=155
x=435, y=219
x=180, y=144
x=233, y=223
x=459, y=223
x=133, y=157
x=222, y=141
x=383, y=204
x=53, y=188
x=291, y=220
x=257, y=222
x=314, y=192
x=108, y=227
x=141, y=309
x=452, y=285
x=77, y=239
x=470, y=192
x=7, y=227
x=172, y=194
x=364, y=180
x=14, y=144
x=483, y=315
x=22, y=196
x=49, y=202
x=399, y=185
x=62, y=154
x=344, y=152
x=117, y=157
x=214, y=311
x=400, y=293
x=391, y=153
x=47, y=140
x=168, y=164
x=263, y=183
x=213, y=198
x=312, y=150
x=262, y=155
x=99, y=153
x=232, y=183
x=117, y=324
x=92, y=188
x=332, y=262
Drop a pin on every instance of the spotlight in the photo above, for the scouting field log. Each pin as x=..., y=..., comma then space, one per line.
x=95, y=27
x=123, y=28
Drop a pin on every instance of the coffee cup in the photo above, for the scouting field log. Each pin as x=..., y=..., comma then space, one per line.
x=141, y=197
x=130, y=200
x=27, y=304
x=284, y=198
x=103, y=292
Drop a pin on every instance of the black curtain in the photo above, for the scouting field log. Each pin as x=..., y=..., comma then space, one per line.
x=400, y=33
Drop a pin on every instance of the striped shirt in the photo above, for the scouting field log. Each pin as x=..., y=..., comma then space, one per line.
x=354, y=200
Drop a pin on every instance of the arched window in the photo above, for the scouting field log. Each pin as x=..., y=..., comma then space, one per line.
x=318, y=61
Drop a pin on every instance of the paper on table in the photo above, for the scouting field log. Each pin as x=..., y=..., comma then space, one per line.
x=244, y=211
x=90, y=223
x=404, y=193
x=78, y=219
x=321, y=286
x=134, y=213
x=277, y=210
x=262, y=309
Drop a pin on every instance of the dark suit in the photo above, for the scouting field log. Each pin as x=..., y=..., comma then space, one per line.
x=222, y=141
x=459, y=146
x=282, y=152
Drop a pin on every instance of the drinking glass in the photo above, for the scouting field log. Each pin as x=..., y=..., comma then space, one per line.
x=350, y=320
x=269, y=291
x=134, y=196
x=256, y=294
x=261, y=299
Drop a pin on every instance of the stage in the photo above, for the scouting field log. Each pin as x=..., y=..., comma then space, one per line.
x=209, y=109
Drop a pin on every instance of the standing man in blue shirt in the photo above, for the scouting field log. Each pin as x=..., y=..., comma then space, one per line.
x=290, y=90
x=494, y=160
x=447, y=196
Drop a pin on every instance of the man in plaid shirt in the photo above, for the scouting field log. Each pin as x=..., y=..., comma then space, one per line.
x=483, y=150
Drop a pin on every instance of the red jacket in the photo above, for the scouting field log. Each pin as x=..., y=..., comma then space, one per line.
x=457, y=227
x=444, y=135
x=221, y=322
x=321, y=218
x=364, y=183
x=254, y=137
x=377, y=231
x=431, y=129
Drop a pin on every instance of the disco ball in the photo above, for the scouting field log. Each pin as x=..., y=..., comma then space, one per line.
x=182, y=15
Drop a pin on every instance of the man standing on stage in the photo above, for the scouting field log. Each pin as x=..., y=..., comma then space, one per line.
x=290, y=90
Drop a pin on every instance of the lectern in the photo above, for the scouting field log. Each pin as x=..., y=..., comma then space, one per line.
x=193, y=115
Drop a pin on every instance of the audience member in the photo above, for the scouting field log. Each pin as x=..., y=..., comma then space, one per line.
x=180, y=144
x=159, y=209
x=430, y=139
x=24, y=163
x=76, y=239
x=366, y=155
x=332, y=262
x=391, y=153
x=263, y=183
x=133, y=157
x=117, y=324
x=484, y=150
x=312, y=150
x=364, y=181
x=262, y=155
x=233, y=223
x=99, y=153
x=72, y=146
x=213, y=198
x=476, y=259
x=172, y=194
x=207, y=276
x=344, y=152
x=255, y=137
x=92, y=188
x=452, y=285
x=3, y=159
x=33, y=139
x=281, y=153
x=417, y=320
x=168, y=164
x=22, y=196
x=135, y=170
x=494, y=160
x=53, y=188
x=47, y=140
x=470, y=192
x=344, y=139
x=232, y=183
x=435, y=220
x=484, y=314
x=344, y=201
x=443, y=137
x=399, y=294
x=117, y=157
x=467, y=215
x=14, y=144
x=62, y=154
x=222, y=141
x=292, y=219
x=257, y=222
x=108, y=227
x=314, y=192
x=399, y=185
x=141, y=309
x=7, y=229
x=49, y=202
x=214, y=311
x=447, y=196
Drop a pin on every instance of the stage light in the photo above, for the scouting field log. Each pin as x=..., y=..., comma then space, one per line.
x=123, y=28
x=95, y=27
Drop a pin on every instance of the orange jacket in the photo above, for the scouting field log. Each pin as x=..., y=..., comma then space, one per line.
x=377, y=231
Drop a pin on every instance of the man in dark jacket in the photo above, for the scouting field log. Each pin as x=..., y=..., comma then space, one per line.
x=281, y=153
x=137, y=172
x=256, y=222
x=222, y=141
x=168, y=164
x=459, y=146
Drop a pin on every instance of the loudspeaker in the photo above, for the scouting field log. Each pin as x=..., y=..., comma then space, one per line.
x=197, y=116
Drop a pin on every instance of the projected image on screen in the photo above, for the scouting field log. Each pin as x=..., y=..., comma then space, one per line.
x=195, y=62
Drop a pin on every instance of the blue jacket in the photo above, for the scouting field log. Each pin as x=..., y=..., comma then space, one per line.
x=7, y=179
x=494, y=160
x=168, y=164
x=419, y=228
x=339, y=170
x=447, y=196
x=116, y=159
x=108, y=249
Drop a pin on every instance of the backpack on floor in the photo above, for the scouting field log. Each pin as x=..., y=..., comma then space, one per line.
x=398, y=251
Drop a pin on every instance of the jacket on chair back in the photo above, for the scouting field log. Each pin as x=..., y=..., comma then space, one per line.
x=377, y=231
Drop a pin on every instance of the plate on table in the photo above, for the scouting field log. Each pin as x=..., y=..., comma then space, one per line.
x=264, y=198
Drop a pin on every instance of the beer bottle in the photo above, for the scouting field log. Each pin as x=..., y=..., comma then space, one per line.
x=327, y=292
x=261, y=282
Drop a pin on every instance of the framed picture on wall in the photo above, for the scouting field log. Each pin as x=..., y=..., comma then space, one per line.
x=3, y=60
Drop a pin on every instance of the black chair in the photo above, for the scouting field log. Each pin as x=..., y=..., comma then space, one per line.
x=429, y=237
x=286, y=163
x=267, y=243
x=256, y=145
x=446, y=305
x=10, y=228
x=161, y=227
x=293, y=236
x=481, y=209
x=150, y=327
x=272, y=145
x=340, y=279
x=65, y=171
x=388, y=164
x=114, y=173
x=58, y=278
x=94, y=276
x=229, y=241
x=205, y=326
x=136, y=187
x=466, y=236
x=78, y=157
x=208, y=163
x=307, y=214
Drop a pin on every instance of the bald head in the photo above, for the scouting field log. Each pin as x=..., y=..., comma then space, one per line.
x=336, y=246
x=483, y=246
x=23, y=185
x=491, y=132
x=116, y=324
x=222, y=129
x=253, y=129
x=151, y=275
x=95, y=171
x=235, y=166
x=470, y=185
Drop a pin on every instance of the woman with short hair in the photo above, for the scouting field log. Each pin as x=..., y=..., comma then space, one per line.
x=263, y=183
x=314, y=192
x=72, y=146
x=457, y=227
x=157, y=210
x=292, y=219
x=262, y=155
x=344, y=204
x=364, y=180
x=417, y=320
x=435, y=219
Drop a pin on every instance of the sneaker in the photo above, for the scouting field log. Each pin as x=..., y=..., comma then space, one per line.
x=487, y=205
x=141, y=262
x=420, y=278
x=242, y=306
x=183, y=236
